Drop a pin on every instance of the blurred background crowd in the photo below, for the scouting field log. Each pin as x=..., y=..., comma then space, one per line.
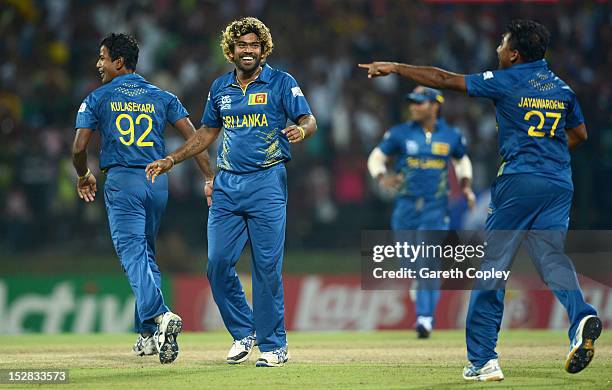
x=50, y=47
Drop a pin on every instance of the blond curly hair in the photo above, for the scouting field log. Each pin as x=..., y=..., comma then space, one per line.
x=244, y=26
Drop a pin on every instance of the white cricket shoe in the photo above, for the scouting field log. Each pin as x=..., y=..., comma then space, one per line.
x=582, y=348
x=424, y=326
x=275, y=358
x=169, y=328
x=241, y=350
x=491, y=371
x=145, y=346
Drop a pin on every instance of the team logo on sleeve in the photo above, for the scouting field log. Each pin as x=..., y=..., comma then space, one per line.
x=258, y=98
x=83, y=107
x=296, y=91
x=440, y=148
x=487, y=75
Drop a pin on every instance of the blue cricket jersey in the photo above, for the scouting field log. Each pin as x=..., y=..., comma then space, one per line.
x=421, y=159
x=534, y=107
x=252, y=118
x=131, y=115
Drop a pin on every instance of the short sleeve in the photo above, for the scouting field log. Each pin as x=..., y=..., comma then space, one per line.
x=87, y=115
x=294, y=102
x=389, y=144
x=212, y=116
x=176, y=110
x=574, y=114
x=460, y=148
x=489, y=84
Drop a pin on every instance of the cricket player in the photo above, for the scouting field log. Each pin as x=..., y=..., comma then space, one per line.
x=251, y=104
x=130, y=113
x=422, y=149
x=539, y=120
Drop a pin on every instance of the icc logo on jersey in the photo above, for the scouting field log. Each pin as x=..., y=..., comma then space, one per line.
x=226, y=102
x=412, y=147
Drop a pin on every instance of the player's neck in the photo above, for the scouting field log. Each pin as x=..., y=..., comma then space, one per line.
x=428, y=124
x=122, y=72
x=245, y=78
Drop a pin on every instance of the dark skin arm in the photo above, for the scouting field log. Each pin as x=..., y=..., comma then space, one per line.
x=307, y=122
x=427, y=76
x=207, y=135
x=187, y=130
x=576, y=135
x=86, y=184
x=194, y=145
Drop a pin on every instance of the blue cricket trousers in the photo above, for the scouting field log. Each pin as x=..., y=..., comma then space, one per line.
x=249, y=206
x=135, y=207
x=534, y=209
x=410, y=214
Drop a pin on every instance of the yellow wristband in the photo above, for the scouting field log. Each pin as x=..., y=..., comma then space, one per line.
x=86, y=175
x=302, y=131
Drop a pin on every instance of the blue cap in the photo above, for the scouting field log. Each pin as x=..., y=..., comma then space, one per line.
x=427, y=94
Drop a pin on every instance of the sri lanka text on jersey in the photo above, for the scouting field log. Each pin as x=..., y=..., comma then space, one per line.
x=250, y=120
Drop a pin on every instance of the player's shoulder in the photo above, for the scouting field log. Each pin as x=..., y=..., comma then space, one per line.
x=98, y=94
x=225, y=79
x=562, y=85
x=402, y=129
x=451, y=129
x=275, y=75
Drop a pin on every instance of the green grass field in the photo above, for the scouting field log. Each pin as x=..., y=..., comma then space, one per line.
x=339, y=360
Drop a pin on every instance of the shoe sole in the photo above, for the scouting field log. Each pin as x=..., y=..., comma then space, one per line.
x=581, y=355
x=241, y=359
x=494, y=376
x=265, y=363
x=169, y=350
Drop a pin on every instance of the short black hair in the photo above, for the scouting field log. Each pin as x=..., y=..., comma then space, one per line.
x=530, y=38
x=122, y=45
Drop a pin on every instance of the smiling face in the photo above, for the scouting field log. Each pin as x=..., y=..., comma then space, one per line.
x=247, y=53
x=106, y=66
x=506, y=55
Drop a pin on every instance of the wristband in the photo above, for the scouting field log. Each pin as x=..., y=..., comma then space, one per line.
x=86, y=175
x=302, y=131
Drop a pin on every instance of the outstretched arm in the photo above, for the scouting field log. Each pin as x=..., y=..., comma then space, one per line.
x=194, y=145
x=427, y=76
x=187, y=130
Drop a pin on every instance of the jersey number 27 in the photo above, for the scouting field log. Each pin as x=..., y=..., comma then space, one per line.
x=536, y=131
